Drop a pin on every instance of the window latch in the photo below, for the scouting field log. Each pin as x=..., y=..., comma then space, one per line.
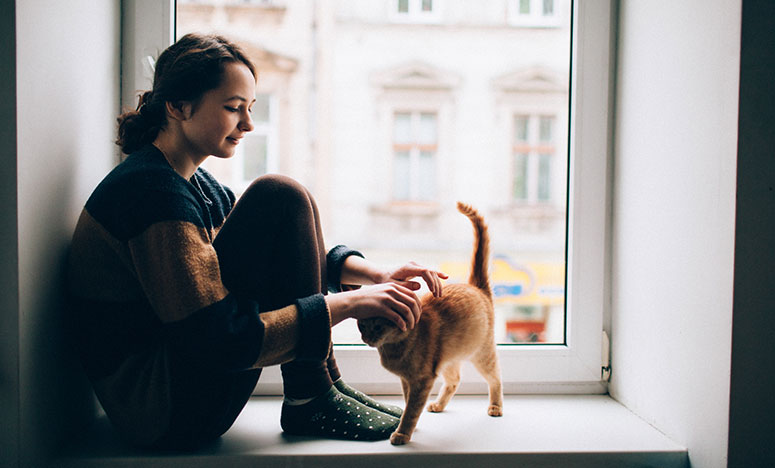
x=606, y=358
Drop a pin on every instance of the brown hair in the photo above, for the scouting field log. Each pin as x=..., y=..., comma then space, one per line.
x=184, y=72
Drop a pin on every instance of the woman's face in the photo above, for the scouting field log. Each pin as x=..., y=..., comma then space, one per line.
x=215, y=125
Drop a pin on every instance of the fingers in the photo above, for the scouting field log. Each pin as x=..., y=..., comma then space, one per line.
x=411, y=270
x=406, y=304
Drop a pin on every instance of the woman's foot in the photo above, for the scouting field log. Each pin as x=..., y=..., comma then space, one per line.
x=334, y=415
x=394, y=411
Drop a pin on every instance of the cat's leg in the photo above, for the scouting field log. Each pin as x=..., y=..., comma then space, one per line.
x=451, y=374
x=486, y=362
x=405, y=389
x=416, y=398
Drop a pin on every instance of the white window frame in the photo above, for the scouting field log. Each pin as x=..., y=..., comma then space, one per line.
x=573, y=367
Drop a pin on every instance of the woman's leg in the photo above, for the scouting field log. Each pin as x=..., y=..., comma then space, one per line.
x=271, y=250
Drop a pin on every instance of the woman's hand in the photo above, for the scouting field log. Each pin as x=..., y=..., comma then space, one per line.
x=358, y=271
x=404, y=274
x=392, y=301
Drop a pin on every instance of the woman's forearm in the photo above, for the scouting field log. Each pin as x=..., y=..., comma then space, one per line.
x=359, y=271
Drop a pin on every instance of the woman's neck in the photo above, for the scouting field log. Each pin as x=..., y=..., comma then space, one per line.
x=181, y=161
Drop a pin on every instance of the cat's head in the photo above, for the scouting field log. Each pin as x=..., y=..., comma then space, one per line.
x=377, y=331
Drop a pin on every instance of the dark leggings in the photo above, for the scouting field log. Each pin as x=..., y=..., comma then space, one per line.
x=271, y=250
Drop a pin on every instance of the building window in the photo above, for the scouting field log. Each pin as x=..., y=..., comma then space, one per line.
x=533, y=150
x=414, y=156
x=415, y=11
x=534, y=13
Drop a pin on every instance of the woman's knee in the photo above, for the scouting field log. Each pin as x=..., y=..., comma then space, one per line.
x=277, y=188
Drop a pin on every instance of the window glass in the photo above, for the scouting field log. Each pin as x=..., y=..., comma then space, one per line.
x=548, y=7
x=401, y=176
x=260, y=108
x=427, y=129
x=521, y=128
x=388, y=135
x=520, y=176
x=544, y=176
x=254, y=156
x=545, y=129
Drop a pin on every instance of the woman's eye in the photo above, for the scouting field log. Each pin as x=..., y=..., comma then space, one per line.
x=232, y=109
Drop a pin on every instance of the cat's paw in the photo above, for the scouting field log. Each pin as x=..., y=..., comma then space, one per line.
x=435, y=407
x=397, y=438
x=495, y=411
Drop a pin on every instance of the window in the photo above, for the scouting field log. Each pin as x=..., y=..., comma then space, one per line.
x=369, y=119
x=415, y=11
x=414, y=150
x=533, y=150
x=534, y=13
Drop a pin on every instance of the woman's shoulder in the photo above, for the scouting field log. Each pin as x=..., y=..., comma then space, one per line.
x=141, y=190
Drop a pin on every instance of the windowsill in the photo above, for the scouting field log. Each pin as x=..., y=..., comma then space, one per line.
x=536, y=430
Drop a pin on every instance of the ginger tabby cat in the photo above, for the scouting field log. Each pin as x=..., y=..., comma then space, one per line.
x=456, y=326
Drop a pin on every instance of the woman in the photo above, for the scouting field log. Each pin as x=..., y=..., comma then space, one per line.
x=180, y=295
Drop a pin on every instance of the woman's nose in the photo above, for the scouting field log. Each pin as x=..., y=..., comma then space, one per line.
x=246, y=124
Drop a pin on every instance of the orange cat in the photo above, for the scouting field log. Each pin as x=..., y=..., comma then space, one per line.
x=454, y=327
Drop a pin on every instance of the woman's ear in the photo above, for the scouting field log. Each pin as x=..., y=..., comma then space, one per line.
x=181, y=110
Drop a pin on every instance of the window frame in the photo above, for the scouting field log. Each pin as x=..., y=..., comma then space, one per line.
x=572, y=367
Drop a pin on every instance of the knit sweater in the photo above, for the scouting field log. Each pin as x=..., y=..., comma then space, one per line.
x=147, y=301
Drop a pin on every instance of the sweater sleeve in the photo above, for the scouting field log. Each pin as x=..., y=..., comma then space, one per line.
x=178, y=270
x=334, y=261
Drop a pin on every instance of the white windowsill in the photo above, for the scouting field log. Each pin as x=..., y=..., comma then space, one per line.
x=536, y=430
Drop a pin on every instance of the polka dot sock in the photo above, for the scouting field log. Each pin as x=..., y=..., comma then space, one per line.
x=367, y=400
x=337, y=416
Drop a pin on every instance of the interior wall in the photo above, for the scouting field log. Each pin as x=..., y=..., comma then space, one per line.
x=674, y=218
x=67, y=94
x=752, y=401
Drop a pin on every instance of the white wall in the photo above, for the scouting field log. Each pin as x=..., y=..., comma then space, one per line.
x=67, y=90
x=674, y=218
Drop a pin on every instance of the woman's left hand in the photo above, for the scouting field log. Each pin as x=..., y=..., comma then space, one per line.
x=404, y=274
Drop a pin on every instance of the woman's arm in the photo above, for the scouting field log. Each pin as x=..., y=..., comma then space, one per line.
x=359, y=271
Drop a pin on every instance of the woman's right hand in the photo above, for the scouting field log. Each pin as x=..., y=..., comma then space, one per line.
x=392, y=301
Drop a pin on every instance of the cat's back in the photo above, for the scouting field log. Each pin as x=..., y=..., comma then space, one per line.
x=464, y=313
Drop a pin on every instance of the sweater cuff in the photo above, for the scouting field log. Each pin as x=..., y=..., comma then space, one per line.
x=334, y=263
x=315, y=328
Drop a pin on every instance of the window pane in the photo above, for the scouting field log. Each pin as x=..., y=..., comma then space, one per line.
x=521, y=128
x=365, y=109
x=544, y=176
x=402, y=128
x=520, y=177
x=427, y=130
x=254, y=156
x=401, y=176
x=545, y=129
x=426, y=179
x=260, y=112
x=548, y=7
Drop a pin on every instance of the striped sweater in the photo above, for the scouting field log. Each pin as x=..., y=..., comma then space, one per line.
x=148, y=305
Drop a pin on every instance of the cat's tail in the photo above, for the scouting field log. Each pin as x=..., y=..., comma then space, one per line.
x=479, y=276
